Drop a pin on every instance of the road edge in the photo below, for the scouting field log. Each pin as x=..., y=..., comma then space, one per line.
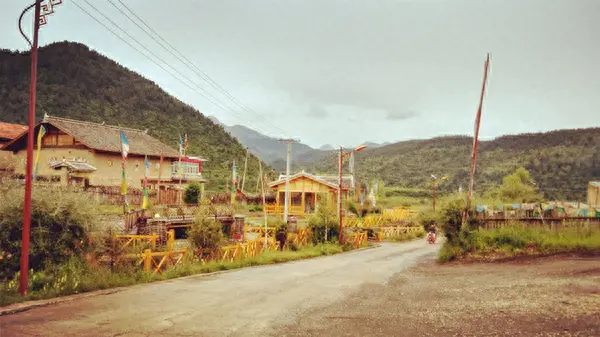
x=24, y=306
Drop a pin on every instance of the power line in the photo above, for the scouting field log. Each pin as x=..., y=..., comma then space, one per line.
x=199, y=90
x=187, y=62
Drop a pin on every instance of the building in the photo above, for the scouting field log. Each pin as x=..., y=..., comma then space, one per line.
x=89, y=154
x=8, y=132
x=593, y=195
x=307, y=191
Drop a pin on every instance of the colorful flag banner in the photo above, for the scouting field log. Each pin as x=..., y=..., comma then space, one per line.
x=180, y=146
x=41, y=133
x=185, y=144
x=233, y=184
x=124, y=152
x=145, y=199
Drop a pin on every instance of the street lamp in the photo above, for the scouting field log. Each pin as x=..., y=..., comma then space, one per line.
x=39, y=19
x=343, y=155
x=434, y=184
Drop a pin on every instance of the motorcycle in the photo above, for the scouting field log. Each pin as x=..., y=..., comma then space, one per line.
x=431, y=238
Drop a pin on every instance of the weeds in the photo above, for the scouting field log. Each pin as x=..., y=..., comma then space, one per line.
x=516, y=240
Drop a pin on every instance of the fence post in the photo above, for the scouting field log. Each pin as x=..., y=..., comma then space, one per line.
x=171, y=240
x=153, y=240
x=147, y=259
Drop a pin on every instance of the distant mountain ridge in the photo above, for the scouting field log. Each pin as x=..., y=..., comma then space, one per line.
x=561, y=162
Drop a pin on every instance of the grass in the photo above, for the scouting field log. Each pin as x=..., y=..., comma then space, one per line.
x=76, y=277
x=516, y=241
x=406, y=236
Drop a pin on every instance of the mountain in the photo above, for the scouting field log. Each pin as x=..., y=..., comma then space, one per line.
x=79, y=83
x=270, y=150
x=561, y=162
x=327, y=147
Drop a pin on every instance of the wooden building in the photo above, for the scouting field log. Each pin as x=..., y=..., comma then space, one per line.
x=8, y=132
x=307, y=191
x=89, y=154
x=593, y=195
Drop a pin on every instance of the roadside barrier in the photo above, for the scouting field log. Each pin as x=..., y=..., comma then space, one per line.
x=358, y=239
x=123, y=241
x=158, y=262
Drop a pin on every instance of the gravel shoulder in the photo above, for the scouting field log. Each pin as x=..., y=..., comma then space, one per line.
x=551, y=296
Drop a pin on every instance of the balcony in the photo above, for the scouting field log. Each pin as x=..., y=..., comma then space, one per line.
x=186, y=171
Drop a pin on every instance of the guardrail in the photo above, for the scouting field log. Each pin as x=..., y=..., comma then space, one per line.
x=123, y=241
x=358, y=239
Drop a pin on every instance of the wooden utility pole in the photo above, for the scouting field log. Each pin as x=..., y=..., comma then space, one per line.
x=287, y=177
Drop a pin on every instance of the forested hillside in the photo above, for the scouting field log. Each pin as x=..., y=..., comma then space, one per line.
x=79, y=83
x=561, y=162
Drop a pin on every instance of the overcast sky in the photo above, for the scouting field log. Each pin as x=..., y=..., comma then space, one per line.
x=344, y=72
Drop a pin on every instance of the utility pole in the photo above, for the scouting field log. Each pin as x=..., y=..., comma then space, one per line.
x=287, y=177
x=39, y=18
x=341, y=158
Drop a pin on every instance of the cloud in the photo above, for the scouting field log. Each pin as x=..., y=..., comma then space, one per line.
x=316, y=111
x=401, y=115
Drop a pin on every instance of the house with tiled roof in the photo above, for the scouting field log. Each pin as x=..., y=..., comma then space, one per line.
x=307, y=191
x=80, y=152
x=8, y=132
x=593, y=195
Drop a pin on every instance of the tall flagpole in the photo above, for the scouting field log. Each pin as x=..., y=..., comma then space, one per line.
x=476, y=141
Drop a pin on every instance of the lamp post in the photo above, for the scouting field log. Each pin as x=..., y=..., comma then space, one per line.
x=434, y=184
x=39, y=19
x=342, y=156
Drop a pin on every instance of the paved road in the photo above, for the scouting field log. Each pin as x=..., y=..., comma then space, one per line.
x=246, y=302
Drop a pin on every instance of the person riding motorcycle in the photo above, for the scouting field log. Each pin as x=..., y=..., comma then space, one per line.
x=432, y=233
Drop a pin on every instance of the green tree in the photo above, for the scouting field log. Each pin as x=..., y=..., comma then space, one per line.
x=518, y=187
x=192, y=193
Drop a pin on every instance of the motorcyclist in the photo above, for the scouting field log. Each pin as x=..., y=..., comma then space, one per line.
x=433, y=231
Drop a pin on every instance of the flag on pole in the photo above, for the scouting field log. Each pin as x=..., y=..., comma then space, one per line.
x=124, y=152
x=180, y=145
x=185, y=144
x=41, y=133
x=233, y=184
x=147, y=166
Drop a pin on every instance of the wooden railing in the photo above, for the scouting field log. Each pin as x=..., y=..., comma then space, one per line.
x=278, y=210
x=358, y=239
x=125, y=241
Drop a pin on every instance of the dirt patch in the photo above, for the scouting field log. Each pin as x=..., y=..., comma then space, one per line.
x=558, y=296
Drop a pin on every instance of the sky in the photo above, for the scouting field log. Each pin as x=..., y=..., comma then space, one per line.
x=344, y=72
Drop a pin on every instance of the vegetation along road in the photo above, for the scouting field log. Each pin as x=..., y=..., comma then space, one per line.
x=246, y=302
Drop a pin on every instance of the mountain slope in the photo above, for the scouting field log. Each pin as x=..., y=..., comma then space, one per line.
x=561, y=162
x=79, y=83
x=268, y=149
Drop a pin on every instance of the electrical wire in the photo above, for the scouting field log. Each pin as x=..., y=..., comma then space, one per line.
x=198, y=89
x=187, y=62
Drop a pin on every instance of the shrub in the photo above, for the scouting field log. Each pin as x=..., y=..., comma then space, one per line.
x=205, y=233
x=60, y=226
x=324, y=223
x=192, y=193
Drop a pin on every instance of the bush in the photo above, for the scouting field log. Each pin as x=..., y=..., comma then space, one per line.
x=205, y=233
x=60, y=226
x=324, y=223
x=192, y=193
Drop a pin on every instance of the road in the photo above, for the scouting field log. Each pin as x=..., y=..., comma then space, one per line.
x=246, y=302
